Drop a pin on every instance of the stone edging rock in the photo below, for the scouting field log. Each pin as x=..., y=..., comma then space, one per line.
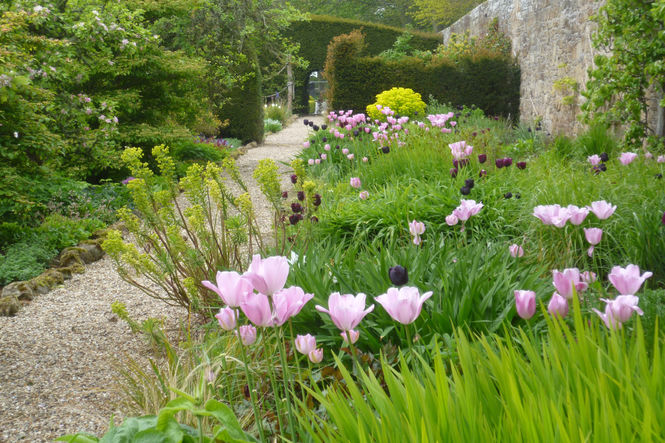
x=70, y=261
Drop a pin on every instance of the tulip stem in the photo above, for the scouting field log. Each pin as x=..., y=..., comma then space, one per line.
x=275, y=391
x=250, y=382
x=297, y=354
x=286, y=380
x=355, y=364
x=408, y=337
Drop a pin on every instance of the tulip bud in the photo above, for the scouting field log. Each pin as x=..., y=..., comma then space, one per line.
x=293, y=219
x=285, y=194
x=305, y=343
x=469, y=183
x=453, y=172
x=508, y=195
x=247, y=335
x=604, y=157
x=385, y=149
x=305, y=122
x=465, y=190
x=324, y=126
x=227, y=318
x=301, y=195
x=516, y=250
x=398, y=275
x=499, y=162
x=316, y=356
x=352, y=334
x=482, y=158
x=558, y=305
x=294, y=178
x=317, y=199
x=525, y=302
x=521, y=165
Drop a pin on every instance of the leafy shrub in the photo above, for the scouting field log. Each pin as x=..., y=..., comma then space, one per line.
x=276, y=113
x=183, y=245
x=404, y=101
x=596, y=140
x=271, y=125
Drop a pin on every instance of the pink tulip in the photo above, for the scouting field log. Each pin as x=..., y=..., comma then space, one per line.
x=403, y=304
x=661, y=159
x=558, y=305
x=602, y=209
x=351, y=156
x=594, y=160
x=451, y=220
x=310, y=162
x=365, y=159
x=577, y=215
x=608, y=318
x=588, y=277
x=345, y=151
x=416, y=229
x=566, y=281
x=353, y=335
x=467, y=209
x=648, y=155
x=623, y=307
x=355, y=182
x=525, y=302
x=363, y=195
x=316, y=356
x=247, y=335
x=346, y=311
x=267, y=275
x=288, y=303
x=306, y=145
x=317, y=161
x=552, y=215
x=231, y=287
x=227, y=318
x=305, y=343
x=326, y=147
x=516, y=250
x=324, y=156
x=593, y=236
x=627, y=280
x=627, y=157
x=257, y=309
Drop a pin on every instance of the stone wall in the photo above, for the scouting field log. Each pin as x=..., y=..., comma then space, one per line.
x=552, y=41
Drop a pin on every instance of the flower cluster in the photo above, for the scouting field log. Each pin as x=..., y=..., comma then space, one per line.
x=463, y=212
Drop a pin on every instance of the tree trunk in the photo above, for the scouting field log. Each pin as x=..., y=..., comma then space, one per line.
x=289, y=87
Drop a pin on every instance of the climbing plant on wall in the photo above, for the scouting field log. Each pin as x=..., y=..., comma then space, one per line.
x=630, y=69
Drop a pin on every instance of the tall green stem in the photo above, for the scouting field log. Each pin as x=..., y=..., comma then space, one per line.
x=286, y=380
x=275, y=391
x=250, y=382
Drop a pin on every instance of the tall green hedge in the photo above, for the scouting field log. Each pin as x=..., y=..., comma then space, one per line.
x=244, y=108
x=315, y=34
x=487, y=80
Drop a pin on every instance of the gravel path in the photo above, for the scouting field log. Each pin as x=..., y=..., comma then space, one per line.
x=57, y=354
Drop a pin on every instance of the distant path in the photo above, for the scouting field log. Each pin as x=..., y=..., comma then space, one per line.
x=57, y=354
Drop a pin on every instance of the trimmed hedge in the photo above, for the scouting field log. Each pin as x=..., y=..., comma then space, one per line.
x=485, y=79
x=315, y=34
x=244, y=109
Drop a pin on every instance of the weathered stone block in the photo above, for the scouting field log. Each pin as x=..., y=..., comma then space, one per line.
x=9, y=305
x=21, y=290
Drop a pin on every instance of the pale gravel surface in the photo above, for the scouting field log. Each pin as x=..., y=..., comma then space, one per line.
x=57, y=354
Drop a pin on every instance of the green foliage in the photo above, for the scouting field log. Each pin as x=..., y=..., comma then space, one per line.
x=165, y=428
x=179, y=244
x=486, y=79
x=596, y=140
x=628, y=68
x=316, y=33
x=31, y=254
x=441, y=13
x=583, y=384
x=403, y=101
x=385, y=12
x=277, y=113
x=402, y=48
x=271, y=125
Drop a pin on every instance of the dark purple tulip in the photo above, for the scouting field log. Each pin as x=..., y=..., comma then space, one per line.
x=337, y=147
x=465, y=190
x=324, y=139
x=482, y=158
x=463, y=162
x=300, y=216
x=398, y=275
x=311, y=124
x=602, y=167
x=296, y=207
x=315, y=127
x=474, y=134
x=499, y=162
x=604, y=157
x=521, y=165
x=301, y=195
x=659, y=176
x=355, y=133
x=316, y=200
x=518, y=195
x=453, y=172
x=294, y=178
x=324, y=126
x=455, y=163
x=385, y=149
x=293, y=219
x=483, y=173
x=469, y=183
x=508, y=195
x=285, y=194
x=314, y=219
x=305, y=122
x=507, y=162
x=496, y=118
